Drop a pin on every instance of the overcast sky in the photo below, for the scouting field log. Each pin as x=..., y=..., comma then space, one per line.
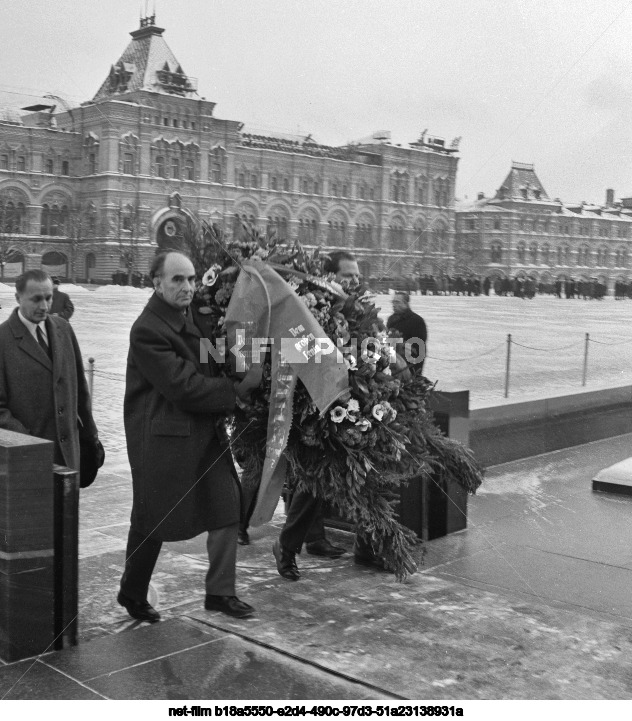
x=547, y=82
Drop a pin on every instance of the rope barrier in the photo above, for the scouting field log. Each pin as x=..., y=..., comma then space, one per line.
x=461, y=360
x=600, y=342
x=546, y=350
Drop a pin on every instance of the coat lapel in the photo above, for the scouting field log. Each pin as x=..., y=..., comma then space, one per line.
x=54, y=339
x=27, y=343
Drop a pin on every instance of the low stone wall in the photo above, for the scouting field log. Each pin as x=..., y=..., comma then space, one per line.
x=499, y=434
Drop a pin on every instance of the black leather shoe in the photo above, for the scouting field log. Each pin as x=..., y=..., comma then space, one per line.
x=323, y=547
x=228, y=604
x=243, y=539
x=140, y=610
x=368, y=559
x=285, y=562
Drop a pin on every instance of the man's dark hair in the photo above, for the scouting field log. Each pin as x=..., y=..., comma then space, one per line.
x=332, y=263
x=158, y=263
x=39, y=276
x=402, y=294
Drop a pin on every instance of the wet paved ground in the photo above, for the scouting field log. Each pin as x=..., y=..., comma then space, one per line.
x=531, y=601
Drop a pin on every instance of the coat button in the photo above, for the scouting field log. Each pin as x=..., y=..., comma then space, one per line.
x=63, y=439
x=60, y=411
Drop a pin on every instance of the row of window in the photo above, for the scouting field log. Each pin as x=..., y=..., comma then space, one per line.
x=535, y=255
x=51, y=165
x=600, y=230
x=425, y=192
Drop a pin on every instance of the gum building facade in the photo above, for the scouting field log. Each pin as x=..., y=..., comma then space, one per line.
x=95, y=190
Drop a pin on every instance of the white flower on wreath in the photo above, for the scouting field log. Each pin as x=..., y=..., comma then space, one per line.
x=293, y=283
x=351, y=362
x=338, y=414
x=364, y=424
x=211, y=275
x=378, y=411
x=353, y=406
x=387, y=371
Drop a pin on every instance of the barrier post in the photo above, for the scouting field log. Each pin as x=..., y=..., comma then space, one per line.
x=585, y=371
x=507, y=365
x=90, y=375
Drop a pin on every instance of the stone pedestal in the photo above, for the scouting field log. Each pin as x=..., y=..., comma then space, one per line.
x=26, y=546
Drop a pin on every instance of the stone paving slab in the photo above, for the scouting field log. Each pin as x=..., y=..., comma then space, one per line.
x=175, y=660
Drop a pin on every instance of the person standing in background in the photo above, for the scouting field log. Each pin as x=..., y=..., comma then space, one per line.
x=62, y=305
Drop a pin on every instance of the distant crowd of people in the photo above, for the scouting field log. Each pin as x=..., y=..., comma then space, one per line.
x=517, y=287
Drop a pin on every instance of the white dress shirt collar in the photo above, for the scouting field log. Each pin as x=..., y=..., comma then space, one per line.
x=33, y=326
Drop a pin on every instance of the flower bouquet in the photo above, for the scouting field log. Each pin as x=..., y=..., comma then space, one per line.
x=356, y=453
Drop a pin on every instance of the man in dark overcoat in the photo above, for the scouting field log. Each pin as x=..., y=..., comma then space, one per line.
x=410, y=326
x=183, y=476
x=62, y=305
x=43, y=388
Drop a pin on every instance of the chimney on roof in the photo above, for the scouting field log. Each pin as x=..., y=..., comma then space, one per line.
x=609, y=197
x=481, y=195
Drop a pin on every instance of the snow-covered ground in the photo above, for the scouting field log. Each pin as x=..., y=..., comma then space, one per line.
x=466, y=349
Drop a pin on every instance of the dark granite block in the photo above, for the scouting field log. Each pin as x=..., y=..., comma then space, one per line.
x=34, y=680
x=26, y=613
x=130, y=648
x=227, y=669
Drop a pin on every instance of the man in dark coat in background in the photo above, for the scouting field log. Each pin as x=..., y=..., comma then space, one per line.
x=183, y=476
x=43, y=388
x=410, y=326
x=62, y=305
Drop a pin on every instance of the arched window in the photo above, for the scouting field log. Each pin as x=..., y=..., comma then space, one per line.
x=363, y=235
x=521, y=249
x=160, y=166
x=397, y=235
x=189, y=169
x=49, y=166
x=336, y=233
x=128, y=163
x=127, y=218
x=533, y=253
x=308, y=230
x=218, y=165
x=286, y=185
x=91, y=264
x=544, y=254
x=421, y=190
x=399, y=187
x=65, y=167
x=277, y=227
x=563, y=253
x=496, y=253
x=175, y=168
x=254, y=180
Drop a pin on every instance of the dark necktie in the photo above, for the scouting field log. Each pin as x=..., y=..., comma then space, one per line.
x=43, y=344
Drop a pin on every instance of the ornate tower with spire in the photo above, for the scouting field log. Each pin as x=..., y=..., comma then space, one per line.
x=147, y=64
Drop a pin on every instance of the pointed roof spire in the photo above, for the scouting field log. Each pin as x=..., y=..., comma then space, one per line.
x=147, y=64
x=522, y=183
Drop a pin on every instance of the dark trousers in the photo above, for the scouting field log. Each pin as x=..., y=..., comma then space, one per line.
x=305, y=522
x=142, y=553
x=301, y=513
